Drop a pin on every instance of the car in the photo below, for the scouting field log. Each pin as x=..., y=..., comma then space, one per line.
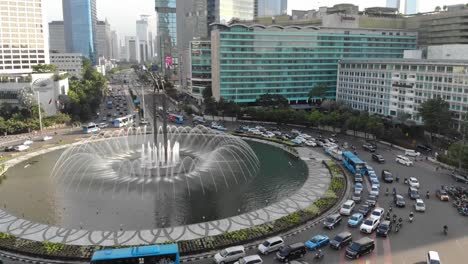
x=369, y=225
x=399, y=200
x=347, y=207
x=403, y=160
x=28, y=142
x=442, y=195
x=290, y=252
x=103, y=125
x=253, y=259
x=459, y=177
x=375, y=182
x=374, y=190
x=384, y=228
x=46, y=138
x=356, y=197
x=378, y=158
x=21, y=148
x=341, y=240
x=229, y=254
x=413, y=182
x=413, y=193
x=387, y=176
x=371, y=200
x=365, y=209
x=296, y=141
x=144, y=122
x=306, y=136
x=358, y=187
x=317, y=242
x=295, y=132
x=419, y=206
x=377, y=213
x=301, y=139
x=310, y=143
x=359, y=248
x=432, y=257
x=104, y=119
x=355, y=220
x=369, y=147
x=9, y=149
x=358, y=177
x=412, y=153
x=332, y=220
x=270, y=245
x=424, y=147
x=373, y=177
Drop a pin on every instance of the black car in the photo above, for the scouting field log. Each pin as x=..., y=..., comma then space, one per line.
x=387, y=176
x=369, y=147
x=358, y=177
x=424, y=147
x=399, y=200
x=365, y=210
x=290, y=252
x=341, y=240
x=384, y=228
x=9, y=149
x=413, y=193
x=361, y=247
x=378, y=158
x=331, y=221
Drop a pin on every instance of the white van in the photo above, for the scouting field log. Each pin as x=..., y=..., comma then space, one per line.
x=412, y=153
x=347, y=207
x=230, y=254
x=403, y=160
x=433, y=257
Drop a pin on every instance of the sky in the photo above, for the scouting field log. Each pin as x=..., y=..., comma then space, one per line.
x=122, y=14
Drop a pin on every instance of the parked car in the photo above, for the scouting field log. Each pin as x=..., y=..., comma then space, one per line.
x=369, y=225
x=347, y=207
x=384, y=228
x=253, y=259
x=355, y=220
x=359, y=248
x=442, y=195
x=341, y=240
x=419, y=206
x=365, y=209
x=317, y=242
x=378, y=158
x=229, y=254
x=413, y=182
x=387, y=176
x=377, y=213
x=403, y=160
x=369, y=147
x=310, y=143
x=399, y=200
x=291, y=252
x=413, y=193
x=358, y=177
x=270, y=245
x=332, y=220
x=412, y=153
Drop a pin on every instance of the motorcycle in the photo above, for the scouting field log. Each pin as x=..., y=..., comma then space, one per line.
x=427, y=195
x=386, y=192
x=445, y=230
x=319, y=255
x=397, y=227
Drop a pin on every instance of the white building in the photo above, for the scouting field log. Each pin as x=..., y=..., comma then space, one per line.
x=57, y=37
x=68, y=62
x=390, y=87
x=131, y=48
x=115, y=46
x=448, y=52
x=103, y=39
x=145, y=38
x=24, y=36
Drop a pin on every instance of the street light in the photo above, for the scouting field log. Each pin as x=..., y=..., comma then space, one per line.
x=40, y=85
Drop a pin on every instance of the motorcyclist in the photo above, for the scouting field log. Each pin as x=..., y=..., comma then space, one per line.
x=386, y=191
x=400, y=220
x=394, y=190
x=394, y=217
x=411, y=216
x=427, y=194
x=445, y=229
x=319, y=254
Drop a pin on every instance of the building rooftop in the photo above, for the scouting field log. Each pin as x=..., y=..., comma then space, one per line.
x=409, y=61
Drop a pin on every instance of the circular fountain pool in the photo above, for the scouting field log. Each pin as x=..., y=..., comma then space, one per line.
x=115, y=182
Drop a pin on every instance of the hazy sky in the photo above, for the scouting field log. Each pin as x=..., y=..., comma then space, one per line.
x=122, y=14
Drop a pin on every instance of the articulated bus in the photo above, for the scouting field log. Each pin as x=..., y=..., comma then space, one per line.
x=123, y=121
x=158, y=254
x=353, y=163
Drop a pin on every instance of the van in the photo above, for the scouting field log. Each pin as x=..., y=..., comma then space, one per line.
x=291, y=252
x=359, y=248
x=347, y=207
x=230, y=254
x=433, y=257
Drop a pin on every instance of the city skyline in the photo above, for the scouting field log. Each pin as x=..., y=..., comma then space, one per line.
x=119, y=18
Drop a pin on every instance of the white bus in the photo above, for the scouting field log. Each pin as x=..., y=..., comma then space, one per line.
x=123, y=121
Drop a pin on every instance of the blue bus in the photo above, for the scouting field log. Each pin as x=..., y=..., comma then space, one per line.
x=353, y=163
x=158, y=254
x=109, y=104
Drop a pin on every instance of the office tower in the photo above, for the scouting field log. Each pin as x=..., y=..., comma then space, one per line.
x=268, y=8
x=57, y=37
x=131, y=48
x=23, y=50
x=115, y=47
x=103, y=39
x=227, y=10
x=167, y=36
x=411, y=7
x=80, y=27
x=145, y=37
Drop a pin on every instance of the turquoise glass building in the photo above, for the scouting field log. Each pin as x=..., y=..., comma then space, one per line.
x=249, y=61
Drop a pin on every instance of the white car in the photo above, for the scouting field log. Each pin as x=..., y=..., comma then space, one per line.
x=270, y=245
x=254, y=259
x=21, y=148
x=306, y=136
x=403, y=160
x=28, y=142
x=412, y=153
x=311, y=143
x=419, y=206
x=46, y=138
x=413, y=182
x=433, y=257
x=377, y=213
x=347, y=207
x=301, y=139
x=229, y=254
x=369, y=225
x=374, y=190
x=268, y=134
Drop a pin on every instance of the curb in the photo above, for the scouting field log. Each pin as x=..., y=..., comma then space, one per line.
x=34, y=261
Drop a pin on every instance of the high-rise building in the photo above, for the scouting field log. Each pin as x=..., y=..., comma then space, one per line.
x=145, y=36
x=411, y=7
x=115, y=47
x=103, y=39
x=80, y=18
x=167, y=36
x=394, y=4
x=131, y=49
x=22, y=45
x=68, y=62
x=57, y=37
x=268, y=8
x=227, y=10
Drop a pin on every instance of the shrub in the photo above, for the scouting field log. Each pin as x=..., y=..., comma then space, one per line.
x=293, y=218
x=52, y=248
x=5, y=236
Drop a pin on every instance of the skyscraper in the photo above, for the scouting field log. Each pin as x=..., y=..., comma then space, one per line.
x=57, y=37
x=22, y=51
x=103, y=40
x=80, y=20
x=226, y=10
x=394, y=4
x=411, y=7
x=167, y=36
x=145, y=27
x=115, y=46
x=268, y=8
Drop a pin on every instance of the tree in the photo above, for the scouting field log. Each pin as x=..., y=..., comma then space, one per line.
x=318, y=92
x=276, y=101
x=27, y=99
x=459, y=153
x=437, y=9
x=207, y=92
x=211, y=106
x=436, y=115
x=44, y=68
x=315, y=118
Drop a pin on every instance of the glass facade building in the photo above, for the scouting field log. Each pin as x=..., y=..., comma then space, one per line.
x=238, y=9
x=167, y=35
x=200, y=66
x=411, y=7
x=249, y=61
x=268, y=8
x=80, y=20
